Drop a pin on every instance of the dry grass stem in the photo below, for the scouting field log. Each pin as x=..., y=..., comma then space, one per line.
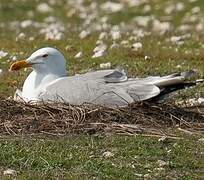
x=57, y=119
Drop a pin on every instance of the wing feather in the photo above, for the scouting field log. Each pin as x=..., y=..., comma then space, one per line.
x=107, y=87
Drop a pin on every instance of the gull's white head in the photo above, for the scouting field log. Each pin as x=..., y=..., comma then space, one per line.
x=45, y=60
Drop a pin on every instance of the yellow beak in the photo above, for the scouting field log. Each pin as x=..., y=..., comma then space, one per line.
x=19, y=65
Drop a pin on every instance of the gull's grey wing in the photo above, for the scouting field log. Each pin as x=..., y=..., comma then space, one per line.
x=173, y=82
x=116, y=76
x=108, y=76
x=110, y=88
x=123, y=95
x=143, y=92
x=165, y=81
x=75, y=90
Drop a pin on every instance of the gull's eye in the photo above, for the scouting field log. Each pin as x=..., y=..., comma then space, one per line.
x=44, y=55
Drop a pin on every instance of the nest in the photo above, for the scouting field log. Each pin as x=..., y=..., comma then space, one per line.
x=59, y=119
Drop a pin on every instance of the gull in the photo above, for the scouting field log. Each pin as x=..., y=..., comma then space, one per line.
x=49, y=82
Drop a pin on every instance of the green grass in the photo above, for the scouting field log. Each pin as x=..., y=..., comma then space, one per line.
x=81, y=157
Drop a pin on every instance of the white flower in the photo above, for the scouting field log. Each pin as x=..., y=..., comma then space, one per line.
x=179, y=39
x=136, y=46
x=161, y=27
x=178, y=66
x=3, y=54
x=180, y=6
x=142, y=20
x=139, y=33
x=99, y=42
x=112, y=6
x=147, y=57
x=105, y=65
x=195, y=10
x=78, y=55
x=134, y=3
x=201, y=139
x=103, y=35
x=169, y=9
x=108, y=154
x=10, y=172
x=200, y=27
x=71, y=13
x=184, y=27
x=53, y=31
x=26, y=23
x=201, y=100
x=83, y=34
x=31, y=38
x=147, y=8
x=162, y=163
x=99, y=50
x=124, y=43
x=21, y=36
x=115, y=35
x=43, y=8
x=100, y=47
x=98, y=54
x=175, y=39
x=50, y=19
x=13, y=58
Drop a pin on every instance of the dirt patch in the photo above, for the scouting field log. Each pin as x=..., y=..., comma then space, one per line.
x=17, y=118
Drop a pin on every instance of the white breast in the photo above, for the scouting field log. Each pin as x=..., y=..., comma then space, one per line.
x=35, y=83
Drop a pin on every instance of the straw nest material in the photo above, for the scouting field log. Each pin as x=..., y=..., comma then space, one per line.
x=18, y=118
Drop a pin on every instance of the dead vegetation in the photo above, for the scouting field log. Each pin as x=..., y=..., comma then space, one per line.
x=18, y=118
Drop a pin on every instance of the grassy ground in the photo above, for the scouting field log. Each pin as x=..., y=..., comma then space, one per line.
x=82, y=157
x=103, y=157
